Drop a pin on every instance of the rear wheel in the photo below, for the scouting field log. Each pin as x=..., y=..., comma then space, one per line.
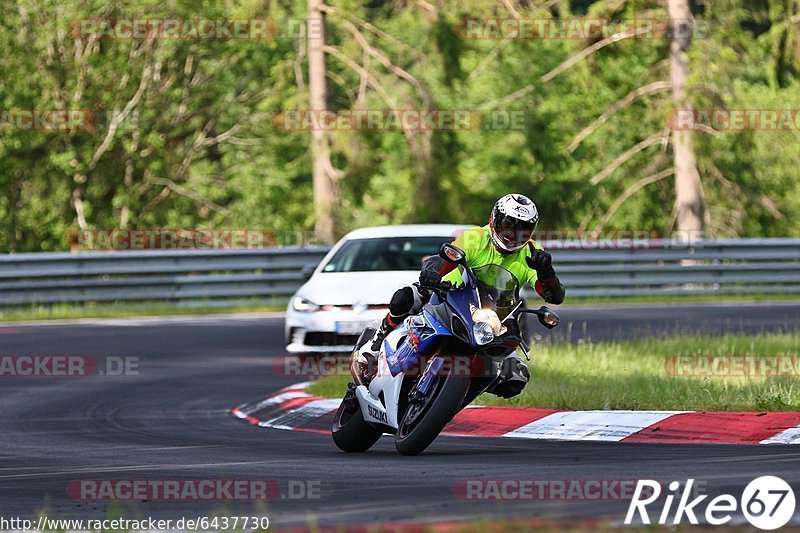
x=426, y=417
x=350, y=432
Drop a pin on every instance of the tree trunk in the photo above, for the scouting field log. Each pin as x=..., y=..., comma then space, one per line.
x=689, y=201
x=13, y=192
x=426, y=181
x=323, y=185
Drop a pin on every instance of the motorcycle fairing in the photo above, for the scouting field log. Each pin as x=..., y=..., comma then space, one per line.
x=421, y=333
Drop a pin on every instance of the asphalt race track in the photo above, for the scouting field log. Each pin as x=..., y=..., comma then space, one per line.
x=170, y=422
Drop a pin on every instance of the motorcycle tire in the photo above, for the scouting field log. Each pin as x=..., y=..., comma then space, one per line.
x=350, y=432
x=449, y=392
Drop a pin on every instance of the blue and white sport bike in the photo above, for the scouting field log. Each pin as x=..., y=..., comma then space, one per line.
x=435, y=363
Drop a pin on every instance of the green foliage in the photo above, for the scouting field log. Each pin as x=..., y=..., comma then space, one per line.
x=203, y=144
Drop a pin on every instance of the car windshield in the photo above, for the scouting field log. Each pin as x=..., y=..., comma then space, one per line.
x=387, y=253
x=498, y=289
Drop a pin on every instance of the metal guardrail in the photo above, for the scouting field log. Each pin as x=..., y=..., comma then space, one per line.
x=218, y=277
x=735, y=266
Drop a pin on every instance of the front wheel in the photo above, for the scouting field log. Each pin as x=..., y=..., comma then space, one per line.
x=426, y=417
x=350, y=432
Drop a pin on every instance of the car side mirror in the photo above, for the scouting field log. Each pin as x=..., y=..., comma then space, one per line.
x=452, y=254
x=307, y=271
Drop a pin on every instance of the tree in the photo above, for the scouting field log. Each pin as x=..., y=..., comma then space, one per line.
x=689, y=202
x=198, y=145
x=324, y=175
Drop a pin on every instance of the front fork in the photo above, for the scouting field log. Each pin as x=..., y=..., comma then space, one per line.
x=462, y=366
x=423, y=386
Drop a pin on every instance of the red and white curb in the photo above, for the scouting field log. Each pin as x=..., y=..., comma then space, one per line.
x=294, y=409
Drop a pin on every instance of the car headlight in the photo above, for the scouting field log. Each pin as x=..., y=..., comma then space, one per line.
x=304, y=306
x=483, y=332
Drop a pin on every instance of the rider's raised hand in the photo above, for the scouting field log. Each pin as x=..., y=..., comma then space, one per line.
x=430, y=278
x=542, y=262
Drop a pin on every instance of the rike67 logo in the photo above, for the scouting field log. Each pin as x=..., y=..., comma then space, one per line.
x=767, y=503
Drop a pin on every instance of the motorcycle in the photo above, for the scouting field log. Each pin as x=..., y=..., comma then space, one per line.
x=437, y=362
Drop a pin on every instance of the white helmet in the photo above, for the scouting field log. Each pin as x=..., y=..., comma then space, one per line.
x=512, y=223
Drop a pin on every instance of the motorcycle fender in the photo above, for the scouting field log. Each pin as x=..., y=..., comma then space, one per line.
x=371, y=408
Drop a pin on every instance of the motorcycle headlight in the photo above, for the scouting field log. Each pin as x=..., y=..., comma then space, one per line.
x=483, y=332
x=304, y=306
x=490, y=318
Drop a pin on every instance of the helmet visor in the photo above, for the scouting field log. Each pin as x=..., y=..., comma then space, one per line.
x=511, y=231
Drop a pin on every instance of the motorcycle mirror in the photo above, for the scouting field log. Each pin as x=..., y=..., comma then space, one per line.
x=451, y=254
x=547, y=317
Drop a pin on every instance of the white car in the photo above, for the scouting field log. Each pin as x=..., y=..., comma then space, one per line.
x=351, y=288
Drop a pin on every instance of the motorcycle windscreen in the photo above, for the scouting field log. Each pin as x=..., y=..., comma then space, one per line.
x=498, y=289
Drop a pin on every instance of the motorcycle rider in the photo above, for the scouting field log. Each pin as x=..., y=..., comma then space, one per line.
x=505, y=241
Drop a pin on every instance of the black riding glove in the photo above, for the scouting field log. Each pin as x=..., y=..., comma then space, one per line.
x=547, y=284
x=430, y=278
x=542, y=263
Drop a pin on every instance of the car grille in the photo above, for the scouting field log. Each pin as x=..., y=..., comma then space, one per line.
x=329, y=338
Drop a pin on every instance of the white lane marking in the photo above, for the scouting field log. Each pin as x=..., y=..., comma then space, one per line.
x=788, y=436
x=294, y=417
x=297, y=386
x=590, y=425
x=272, y=400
